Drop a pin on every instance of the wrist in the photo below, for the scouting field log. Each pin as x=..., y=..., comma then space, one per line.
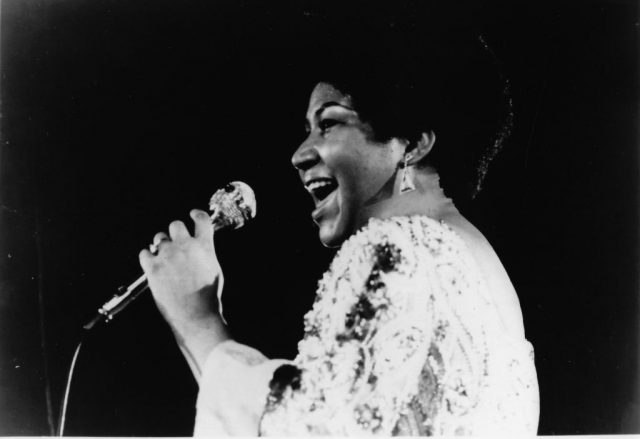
x=198, y=338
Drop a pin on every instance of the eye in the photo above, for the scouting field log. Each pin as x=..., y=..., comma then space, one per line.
x=326, y=124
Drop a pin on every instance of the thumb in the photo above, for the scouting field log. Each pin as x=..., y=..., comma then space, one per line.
x=203, y=226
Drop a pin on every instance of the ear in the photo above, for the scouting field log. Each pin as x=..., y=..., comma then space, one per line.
x=422, y=148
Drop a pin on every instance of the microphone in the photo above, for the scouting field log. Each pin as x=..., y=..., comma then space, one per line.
x=231, y=206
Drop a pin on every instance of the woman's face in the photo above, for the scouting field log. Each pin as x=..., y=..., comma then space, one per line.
x=340, y=166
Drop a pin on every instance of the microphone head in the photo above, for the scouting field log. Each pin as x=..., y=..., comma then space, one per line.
x=232, y=205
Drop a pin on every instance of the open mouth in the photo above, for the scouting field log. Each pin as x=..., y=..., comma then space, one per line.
x=321, y=188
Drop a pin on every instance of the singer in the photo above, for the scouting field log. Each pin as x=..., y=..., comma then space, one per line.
x=416, y=328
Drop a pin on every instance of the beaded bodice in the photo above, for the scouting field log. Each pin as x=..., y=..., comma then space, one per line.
x=404, y=338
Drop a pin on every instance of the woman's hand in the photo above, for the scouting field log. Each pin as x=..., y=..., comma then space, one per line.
x=185, y=276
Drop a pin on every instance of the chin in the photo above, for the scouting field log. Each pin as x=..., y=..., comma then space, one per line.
x=331, y=234
x=336, y=223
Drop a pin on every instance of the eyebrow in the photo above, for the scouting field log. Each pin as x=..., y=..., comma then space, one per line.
x=328, y=104
x=323, y=107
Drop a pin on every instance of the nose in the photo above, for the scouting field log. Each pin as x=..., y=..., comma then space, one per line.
x=306, y=156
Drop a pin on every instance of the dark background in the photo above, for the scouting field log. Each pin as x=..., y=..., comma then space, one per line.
x=118, y=117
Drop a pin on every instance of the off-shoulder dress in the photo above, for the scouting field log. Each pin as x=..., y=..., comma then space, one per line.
x=403, y=339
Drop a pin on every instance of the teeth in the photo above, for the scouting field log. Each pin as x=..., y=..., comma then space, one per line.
x=317, y=185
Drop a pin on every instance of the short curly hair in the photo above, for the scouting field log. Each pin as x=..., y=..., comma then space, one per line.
x=405, y=81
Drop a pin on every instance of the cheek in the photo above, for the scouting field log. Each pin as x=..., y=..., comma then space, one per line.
x=364, y=177
x=362, y=168
x=374, y=168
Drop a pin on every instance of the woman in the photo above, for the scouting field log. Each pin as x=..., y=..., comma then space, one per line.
x=416, y=328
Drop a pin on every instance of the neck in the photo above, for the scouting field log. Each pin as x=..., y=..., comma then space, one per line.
x=427, y=199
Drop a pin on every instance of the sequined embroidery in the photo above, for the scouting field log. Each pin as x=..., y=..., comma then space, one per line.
x=402, y=339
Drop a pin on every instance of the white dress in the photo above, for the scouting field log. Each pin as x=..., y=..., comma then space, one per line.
x=403, y=339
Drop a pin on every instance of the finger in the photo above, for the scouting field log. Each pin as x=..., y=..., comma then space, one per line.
x=156, y=245
x=178, y=231
x=159, y=237
x=203, y=226
x=145, y=257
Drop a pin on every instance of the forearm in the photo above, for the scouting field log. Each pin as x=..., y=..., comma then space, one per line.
x=197, y=341
x=184, y=276
x=198, y=332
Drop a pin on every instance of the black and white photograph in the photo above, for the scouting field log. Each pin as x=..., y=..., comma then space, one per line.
x=333, y=218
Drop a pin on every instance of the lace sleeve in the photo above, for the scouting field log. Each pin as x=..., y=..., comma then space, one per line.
x=233, y=390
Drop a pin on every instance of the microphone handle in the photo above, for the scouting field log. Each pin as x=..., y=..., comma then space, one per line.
x=118, y=302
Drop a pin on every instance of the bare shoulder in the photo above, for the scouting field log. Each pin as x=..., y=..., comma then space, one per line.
x=502, y=291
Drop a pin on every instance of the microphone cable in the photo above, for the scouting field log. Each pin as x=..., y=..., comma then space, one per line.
x=67, y=388
x=119, y=302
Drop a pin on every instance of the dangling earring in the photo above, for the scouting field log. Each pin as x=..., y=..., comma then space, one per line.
x=406, y=183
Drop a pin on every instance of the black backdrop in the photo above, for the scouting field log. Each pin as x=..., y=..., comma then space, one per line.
x=118, y=117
